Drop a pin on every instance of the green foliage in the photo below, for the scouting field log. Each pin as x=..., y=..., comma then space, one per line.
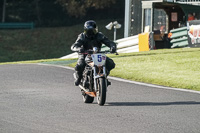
x=79, y=8
x=50, y=13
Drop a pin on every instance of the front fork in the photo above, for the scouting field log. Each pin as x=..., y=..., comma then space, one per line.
x=100, y=75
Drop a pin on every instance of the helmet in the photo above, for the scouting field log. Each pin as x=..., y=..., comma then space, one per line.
x=90, y=28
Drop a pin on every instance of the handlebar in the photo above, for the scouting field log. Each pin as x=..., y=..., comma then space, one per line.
x=107, y=52
x=104, y=52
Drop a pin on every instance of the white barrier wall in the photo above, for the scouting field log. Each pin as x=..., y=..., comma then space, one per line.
x=124, y=45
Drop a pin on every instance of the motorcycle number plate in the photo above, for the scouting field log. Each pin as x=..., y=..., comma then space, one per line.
x=99, y=59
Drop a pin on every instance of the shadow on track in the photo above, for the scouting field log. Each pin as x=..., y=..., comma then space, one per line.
x=151, y=103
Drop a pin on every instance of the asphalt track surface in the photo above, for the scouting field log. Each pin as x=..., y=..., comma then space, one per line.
x=42, y=99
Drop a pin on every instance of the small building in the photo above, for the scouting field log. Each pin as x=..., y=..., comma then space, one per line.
x=159, y=17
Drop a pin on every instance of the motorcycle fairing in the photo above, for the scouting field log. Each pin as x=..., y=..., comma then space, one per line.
x=99, y=59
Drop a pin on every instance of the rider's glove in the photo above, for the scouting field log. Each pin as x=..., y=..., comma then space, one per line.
x=81, y=50
x=113, y=49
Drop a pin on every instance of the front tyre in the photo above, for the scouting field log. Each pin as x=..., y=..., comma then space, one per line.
x=101, y=94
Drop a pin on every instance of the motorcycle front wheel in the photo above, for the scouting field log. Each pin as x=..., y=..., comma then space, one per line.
x=101, y=94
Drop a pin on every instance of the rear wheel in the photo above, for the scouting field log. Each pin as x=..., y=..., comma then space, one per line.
x=87, y=98
x=101, y=94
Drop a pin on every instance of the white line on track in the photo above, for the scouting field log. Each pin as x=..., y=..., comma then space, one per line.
x=133, y=82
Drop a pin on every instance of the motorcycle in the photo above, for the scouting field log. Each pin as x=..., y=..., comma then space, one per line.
x=94, y=82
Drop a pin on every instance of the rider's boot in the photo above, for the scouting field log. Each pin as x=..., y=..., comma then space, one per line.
x=108, y=83
x=78, y=78
x=77, y=81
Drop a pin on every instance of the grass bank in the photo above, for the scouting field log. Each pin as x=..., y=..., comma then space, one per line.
x=179, y=68
x=43, y=43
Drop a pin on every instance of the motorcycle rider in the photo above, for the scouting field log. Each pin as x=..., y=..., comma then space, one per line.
x=87, y=40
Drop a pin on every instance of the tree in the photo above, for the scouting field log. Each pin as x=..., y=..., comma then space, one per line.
x=4, y=11
x=78, y=8
x=38, y=12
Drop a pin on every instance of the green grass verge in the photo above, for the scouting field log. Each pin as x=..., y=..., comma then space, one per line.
x=179, y=68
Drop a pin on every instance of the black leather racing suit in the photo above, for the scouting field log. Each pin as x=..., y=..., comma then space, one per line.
x=88, y=43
